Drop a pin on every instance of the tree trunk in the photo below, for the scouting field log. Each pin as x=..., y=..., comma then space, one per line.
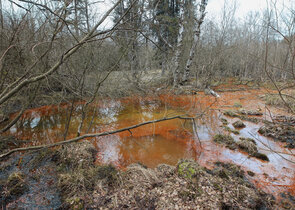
x=197, y=32
x=176, y=71
x=1, y=17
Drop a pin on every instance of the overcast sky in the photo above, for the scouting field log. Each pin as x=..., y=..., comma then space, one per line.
x=215, y=7
x=243, y=6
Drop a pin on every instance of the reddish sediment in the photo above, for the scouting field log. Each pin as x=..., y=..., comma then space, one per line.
x=167, y=141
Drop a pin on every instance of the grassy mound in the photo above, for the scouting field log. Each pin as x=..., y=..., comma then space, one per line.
x=280, y=132
x=78, y=175
x=239, y=124
x=246, y=144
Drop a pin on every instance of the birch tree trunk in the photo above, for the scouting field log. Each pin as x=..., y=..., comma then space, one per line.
x=176, y=71
x=197, y=31
x=1, y=16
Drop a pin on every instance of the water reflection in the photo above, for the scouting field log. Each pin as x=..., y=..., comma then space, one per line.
x=164, y=142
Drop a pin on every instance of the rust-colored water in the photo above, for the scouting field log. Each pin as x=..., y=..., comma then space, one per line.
x=167, y=141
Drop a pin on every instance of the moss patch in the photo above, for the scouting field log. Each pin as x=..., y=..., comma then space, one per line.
x=236, y=132
x=189, y=169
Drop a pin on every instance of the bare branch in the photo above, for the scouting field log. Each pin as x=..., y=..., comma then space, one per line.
x=182, y=117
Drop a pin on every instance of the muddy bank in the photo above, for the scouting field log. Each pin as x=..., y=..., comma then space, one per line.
x=69, y=178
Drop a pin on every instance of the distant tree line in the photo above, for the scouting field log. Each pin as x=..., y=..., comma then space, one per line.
x=53, y=51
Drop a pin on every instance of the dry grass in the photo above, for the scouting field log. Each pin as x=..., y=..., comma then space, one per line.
x=78, y=175
x=276, y=100
x=187, y=186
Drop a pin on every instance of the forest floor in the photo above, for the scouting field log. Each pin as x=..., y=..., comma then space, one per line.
x=68, y=178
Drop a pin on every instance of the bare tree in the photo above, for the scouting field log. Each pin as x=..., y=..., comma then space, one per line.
x=199, y=19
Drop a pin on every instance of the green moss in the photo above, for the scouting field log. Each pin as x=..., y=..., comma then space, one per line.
x=221, y=172
x=189, y=169
x=227, y=128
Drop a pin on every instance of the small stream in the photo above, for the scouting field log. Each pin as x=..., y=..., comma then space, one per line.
x=167, y=141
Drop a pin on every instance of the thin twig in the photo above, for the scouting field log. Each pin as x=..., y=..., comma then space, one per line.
x=182, y=117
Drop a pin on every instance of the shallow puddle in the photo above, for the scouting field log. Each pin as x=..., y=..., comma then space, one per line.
x=167, y=141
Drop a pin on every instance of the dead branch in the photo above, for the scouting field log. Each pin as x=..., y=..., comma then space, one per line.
x=62, y=59
x=182, y=117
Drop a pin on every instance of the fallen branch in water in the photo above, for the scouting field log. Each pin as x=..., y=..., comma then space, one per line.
x=95, y=135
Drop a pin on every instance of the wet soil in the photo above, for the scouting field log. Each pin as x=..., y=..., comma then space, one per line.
x=166, y=142
x=80, y=184
x=35, y=187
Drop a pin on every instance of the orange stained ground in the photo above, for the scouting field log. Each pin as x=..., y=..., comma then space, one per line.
x=167, y=141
